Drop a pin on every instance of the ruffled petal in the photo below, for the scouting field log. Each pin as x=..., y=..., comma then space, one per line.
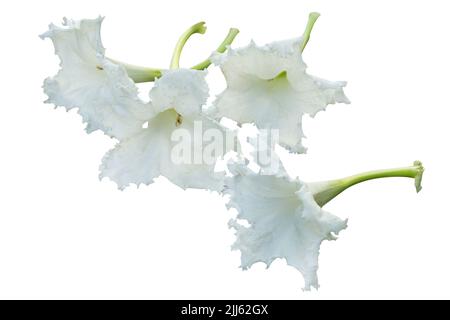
x=264, y=153
x=152, y=153
x=77, y=41
x=184, y=90
x=269, y=86
x=285, y=222
x=106, y=98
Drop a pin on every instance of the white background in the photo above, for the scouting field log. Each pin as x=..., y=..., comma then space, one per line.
x=65, y=234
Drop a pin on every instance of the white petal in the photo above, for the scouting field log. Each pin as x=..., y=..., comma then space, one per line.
x=77, y=41
x=333, y=90
x=184, y=90
x=285, y=222
x=264, y=154
x=148, y=155
x=106, y=97
x=258, y=92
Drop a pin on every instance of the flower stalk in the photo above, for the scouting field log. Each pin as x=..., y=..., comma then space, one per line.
x=313, y=16
x=196, y=28
x=139, y=74
x=144, y=74
x=221, y=49
x=325, y=191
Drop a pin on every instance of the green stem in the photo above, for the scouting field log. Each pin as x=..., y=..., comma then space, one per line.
x=139, y=74
x=143, y=74
x=196, y=28
x=325, y=191
x=313, y=16
x=221, y=49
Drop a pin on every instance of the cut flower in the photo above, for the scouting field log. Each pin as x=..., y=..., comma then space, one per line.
x=285, y=221
x=286, y=217
x=106, y=98
x=177, y=99
x=268, y=85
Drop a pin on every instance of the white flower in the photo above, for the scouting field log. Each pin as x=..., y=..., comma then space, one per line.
x=285, y=221
x=177, y=98
x=269, y=86
x=106, y=98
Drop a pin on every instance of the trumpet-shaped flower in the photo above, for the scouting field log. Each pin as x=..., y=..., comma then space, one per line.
x=286, y=216
x=177, y=98
x=268, y=85
x=106, y=98
x=285, y=221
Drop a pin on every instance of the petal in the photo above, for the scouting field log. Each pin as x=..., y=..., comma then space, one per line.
x=269, y=86
x=333, y=90
x=184, y=90
x=270, y=105
x=263, y=63
x=77, y=41
x=264, y=153
x=149, y=154
x=106, y=98
x=285, y=222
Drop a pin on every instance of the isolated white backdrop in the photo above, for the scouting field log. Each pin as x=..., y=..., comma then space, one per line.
x=64, y=234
